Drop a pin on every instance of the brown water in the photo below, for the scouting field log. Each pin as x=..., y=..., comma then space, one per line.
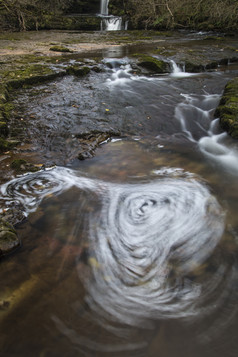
x=134, y=252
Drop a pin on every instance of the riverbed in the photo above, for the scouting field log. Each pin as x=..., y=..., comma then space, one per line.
x=133, y=251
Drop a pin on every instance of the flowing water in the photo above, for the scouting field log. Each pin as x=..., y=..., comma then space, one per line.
x=109, y=22
x=134, y=252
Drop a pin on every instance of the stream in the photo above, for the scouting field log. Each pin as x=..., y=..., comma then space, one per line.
x=134, y=251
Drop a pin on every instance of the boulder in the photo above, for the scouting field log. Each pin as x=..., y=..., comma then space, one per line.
x=153, y=64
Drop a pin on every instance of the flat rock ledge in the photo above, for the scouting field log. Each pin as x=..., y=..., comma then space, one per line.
x=227, y=109
x=9, y=240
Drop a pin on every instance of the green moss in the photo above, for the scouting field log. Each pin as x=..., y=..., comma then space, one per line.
x=153, y=64
x=214, y=38
x=60, y=49
x=3, y=94
x=227, y=110
x=21, y=165
x=6, y=145
x=78, y=70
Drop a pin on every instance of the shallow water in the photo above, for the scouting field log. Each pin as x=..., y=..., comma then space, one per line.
x=133, y=252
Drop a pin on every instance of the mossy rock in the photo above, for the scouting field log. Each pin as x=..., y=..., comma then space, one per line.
x=60, y=49
x=153, y=64
x=4, y=131
x=21, y=166
x=9, y=240
x=78, y=70
x=6, y=145
x=227, y=109
x=193, y=67
x=5, y=110
x=29, y=75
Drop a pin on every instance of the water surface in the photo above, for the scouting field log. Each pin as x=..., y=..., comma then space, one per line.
x=133, y=252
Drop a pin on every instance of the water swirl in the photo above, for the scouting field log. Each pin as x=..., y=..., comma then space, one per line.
x=145, y=239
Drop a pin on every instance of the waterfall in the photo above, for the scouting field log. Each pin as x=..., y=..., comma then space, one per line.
x=104, y=7
x=109, y=22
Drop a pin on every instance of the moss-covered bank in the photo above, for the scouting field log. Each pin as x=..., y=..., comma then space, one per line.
x=227, y=110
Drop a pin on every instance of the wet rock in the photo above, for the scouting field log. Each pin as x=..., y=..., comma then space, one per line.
x=97, y=69
x=153, y=64
x=14, y=213
x=78, y=70
x=227, y=110
x=29, y=74
x=6, y=145
x=211, y=65
x=193, y=67
x=21, y=166
x=90, y=142
x=9, y=240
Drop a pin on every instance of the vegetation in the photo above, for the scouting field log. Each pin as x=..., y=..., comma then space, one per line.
x=151, y=14
x=200, y=14
x=32, y=14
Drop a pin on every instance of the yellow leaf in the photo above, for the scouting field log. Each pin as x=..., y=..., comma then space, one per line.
x=94, y=263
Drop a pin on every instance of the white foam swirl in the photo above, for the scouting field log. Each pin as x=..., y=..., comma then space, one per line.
x=144, y=240
x=141, y=230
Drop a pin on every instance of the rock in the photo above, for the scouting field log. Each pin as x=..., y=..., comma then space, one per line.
x=9, y=240
x=193, y=67
x=78, y=70
x=90, y=142
x=153, y=64
x=227, y=109
x=21, y=166
x=14, y=214
x=6, y=145
x=60, y=49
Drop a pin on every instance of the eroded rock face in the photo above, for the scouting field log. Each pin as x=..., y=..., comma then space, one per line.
x=9, y=240
x=227, y=110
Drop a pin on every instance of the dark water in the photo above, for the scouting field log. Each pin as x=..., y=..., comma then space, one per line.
x=134, y=252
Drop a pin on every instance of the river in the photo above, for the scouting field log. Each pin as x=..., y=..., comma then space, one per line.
x=134, y=251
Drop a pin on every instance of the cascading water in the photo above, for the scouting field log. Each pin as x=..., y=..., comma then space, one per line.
x=109, y=22
x=104, y=7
